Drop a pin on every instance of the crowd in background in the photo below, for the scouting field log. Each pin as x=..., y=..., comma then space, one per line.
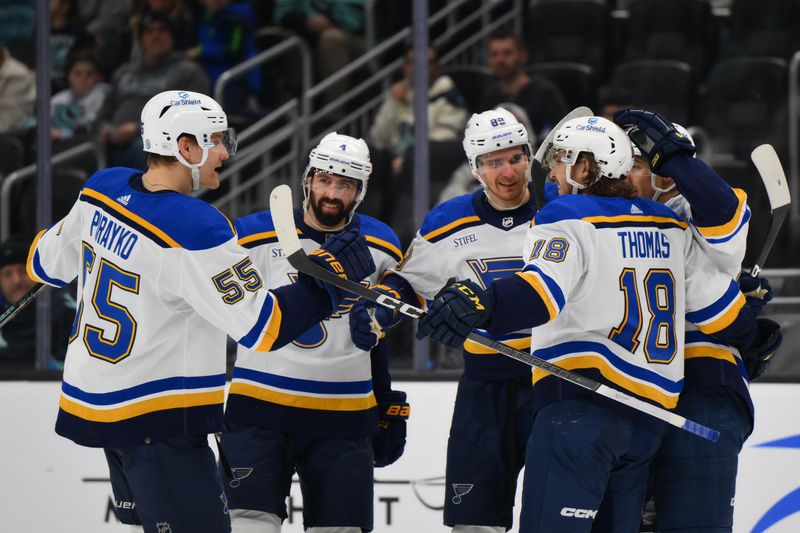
x=108, y=58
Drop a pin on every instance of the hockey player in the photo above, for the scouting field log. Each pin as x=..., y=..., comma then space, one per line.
x=605, y=277
x=161, y=281
x=314, y=405
x=694, y=481
x=476, y=236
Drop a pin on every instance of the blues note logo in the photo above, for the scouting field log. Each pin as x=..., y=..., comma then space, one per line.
x=460, y=490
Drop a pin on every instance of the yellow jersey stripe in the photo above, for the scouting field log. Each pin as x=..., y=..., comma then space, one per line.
x=725, y=319
x=304, y=402
x=385, y=244
x=29, y=262
x=636, y=218
x=258, y=236
x=613, y=375
x=273, y=329
x=131, y=215
x=730, y=226
x=472, y=347
x=174, y=401
x=533, y=280
x=695, y=352
x=450, y=226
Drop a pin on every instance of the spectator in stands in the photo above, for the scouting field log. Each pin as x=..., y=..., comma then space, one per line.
x=226, y=39
x=161, y=68
x=76, y=108
x=18, y=341
x=108, y=21
x=17, y=93
x=540, y=98
x=67, y=36
x=613, y=98
x=334, y=28
x=393, y=126
x=17, y=21
x=392, y=136
x=182, y=19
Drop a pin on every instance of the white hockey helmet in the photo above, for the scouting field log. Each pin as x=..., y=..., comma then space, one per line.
x=493, y=130
x=607, y=142
x=658, y=191
x=341, y=155
x=169, y=114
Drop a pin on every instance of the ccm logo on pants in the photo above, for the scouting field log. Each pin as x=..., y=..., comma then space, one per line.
x=571, y=512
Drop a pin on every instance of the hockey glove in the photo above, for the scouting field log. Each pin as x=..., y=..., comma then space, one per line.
x=654, y=135
x=369, y=321
x=390, y=441
x=454, y=313
x=347, y=256
x=756, y=290
x=757, y=358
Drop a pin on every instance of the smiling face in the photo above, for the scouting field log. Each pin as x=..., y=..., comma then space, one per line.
x=504, y=173
x=331, y=198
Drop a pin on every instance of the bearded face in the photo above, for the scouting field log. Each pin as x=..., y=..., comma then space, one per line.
x=332, y=198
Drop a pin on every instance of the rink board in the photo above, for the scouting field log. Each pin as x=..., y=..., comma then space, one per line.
x=51, y=484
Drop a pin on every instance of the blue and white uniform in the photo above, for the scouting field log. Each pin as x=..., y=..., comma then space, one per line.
x=694, y=481
x=605, y=279
x=465, y=238
x=310, y=406
x=161, y=280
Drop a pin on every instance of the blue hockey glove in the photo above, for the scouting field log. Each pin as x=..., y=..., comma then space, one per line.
x=370, y=321
x=390, y=441
x=758, y=357
x=654, y=135
x=454, y=313
x=756, y=290
x=347, y=256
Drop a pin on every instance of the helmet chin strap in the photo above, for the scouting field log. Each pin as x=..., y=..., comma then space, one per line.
x=658, y=191
x=195, y=168
x=576, y=185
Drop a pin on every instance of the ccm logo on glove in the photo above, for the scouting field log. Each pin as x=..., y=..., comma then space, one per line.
x=472, y=296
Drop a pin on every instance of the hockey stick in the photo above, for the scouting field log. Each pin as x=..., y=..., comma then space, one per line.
x=547, y=143
x=280, y=204
x=769, y=167
x=20, y=304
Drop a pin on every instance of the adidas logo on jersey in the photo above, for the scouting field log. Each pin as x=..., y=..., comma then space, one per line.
x=124, y=199
x=636, y=211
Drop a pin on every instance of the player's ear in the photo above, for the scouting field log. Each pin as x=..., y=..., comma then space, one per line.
x=581, y=169
x=184, y=145
x=665, y=182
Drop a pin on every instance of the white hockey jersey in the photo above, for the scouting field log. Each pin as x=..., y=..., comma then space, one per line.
x=320, y=383
x=465, y=238
x=161, y=279
x=708, y=361
x=617, y=277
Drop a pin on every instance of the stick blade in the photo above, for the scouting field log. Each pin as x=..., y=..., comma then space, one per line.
x=282, y=210
x=580, y=111
x=769, y=166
